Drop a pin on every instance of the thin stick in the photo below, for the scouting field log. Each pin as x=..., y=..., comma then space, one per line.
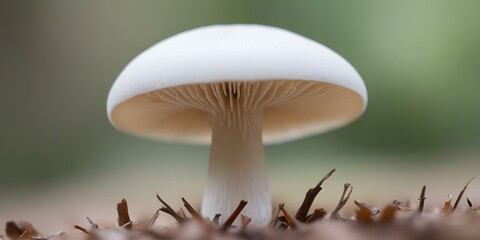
x=274, y=220
x=422, y=199
x=347, y=191
x=153, y=219
x=234, y=215
x=461, y=194
x=182, y=213
x=191, y=210
x=290, y=219
x=172, y=213
x=169, y=210
x=310, y=196
x=164, y=203
x=93, y=224
x=81, y=229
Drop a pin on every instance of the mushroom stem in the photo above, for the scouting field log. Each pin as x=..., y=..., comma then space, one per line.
x=237, y=169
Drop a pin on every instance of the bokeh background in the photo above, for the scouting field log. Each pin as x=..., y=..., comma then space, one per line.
x=61, y=160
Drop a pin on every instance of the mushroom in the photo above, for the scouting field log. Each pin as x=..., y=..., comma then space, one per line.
x=236, y=86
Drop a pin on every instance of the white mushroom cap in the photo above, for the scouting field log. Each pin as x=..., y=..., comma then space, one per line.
x=237, y=53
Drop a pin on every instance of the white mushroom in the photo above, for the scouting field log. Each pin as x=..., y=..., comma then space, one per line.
x=236, y=86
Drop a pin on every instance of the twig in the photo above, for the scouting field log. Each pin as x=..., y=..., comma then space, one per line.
x=290, y=219
x=318, y=213
x=274, y=220
x=81, y=229
x=461, y=194
x=191, y=210
x=123, y=216
x=94, y=225
x=302, y=212
x=169, y=210
x=127, y=225
x=153, y=219
x=234, y=215
x=164, y=203
x=182, y=213
x=422, y=199
x=172, y=213
x=347, y=190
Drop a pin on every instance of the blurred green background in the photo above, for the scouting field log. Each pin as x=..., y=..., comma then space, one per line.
x=420, y=61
